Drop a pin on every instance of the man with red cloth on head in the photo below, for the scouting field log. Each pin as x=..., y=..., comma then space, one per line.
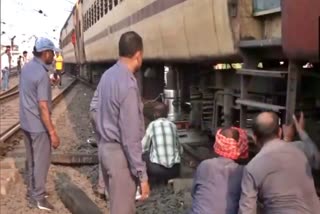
x=217, y=182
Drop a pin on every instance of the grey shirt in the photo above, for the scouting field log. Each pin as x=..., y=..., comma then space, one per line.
x=280, y=178
x=120, y=114
x=34, y=86
x=217, y=187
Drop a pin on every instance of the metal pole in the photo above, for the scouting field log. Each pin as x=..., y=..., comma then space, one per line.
x=293, y=72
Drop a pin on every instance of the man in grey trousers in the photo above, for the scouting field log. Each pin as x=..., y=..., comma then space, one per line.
x=120, y=123
x=35, y=119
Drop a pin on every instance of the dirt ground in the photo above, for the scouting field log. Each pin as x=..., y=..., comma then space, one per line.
x=71, y=118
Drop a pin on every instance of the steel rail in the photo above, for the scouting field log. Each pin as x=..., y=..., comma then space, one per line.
x=16, y=127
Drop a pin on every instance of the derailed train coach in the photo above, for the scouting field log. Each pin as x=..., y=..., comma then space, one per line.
x=185, y=42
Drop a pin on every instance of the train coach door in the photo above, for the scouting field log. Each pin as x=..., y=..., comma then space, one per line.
x=80, y=31
x=79, y=44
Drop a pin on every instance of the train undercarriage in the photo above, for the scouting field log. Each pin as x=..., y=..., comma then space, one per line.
x=211, y=95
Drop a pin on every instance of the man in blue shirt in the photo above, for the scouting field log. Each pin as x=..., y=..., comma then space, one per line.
x=217, y=182
x=120, y=124
x=35, y=120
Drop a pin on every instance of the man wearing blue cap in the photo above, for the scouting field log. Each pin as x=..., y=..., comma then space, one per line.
x=35, y=119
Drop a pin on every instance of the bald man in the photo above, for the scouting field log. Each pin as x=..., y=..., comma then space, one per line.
x=279, y=176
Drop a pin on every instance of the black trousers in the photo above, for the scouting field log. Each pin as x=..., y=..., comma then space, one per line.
x=158, y=173
x=59, y=73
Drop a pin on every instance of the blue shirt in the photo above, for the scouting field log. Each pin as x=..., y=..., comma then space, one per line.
x=34, y=86
x=120, y=114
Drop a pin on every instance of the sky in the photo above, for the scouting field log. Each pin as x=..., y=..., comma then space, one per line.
x=22, y=19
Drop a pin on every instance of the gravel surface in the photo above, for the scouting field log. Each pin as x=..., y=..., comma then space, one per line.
x=162, y=201
x=72, y=122
x=71, y=118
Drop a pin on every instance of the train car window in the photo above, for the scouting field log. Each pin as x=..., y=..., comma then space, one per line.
x=110, y=5
x=105, y=2
x=88, y=19
x=98, y=10
x=101, y=8
x=115, y=3
x=92, y=18
x=95, y=14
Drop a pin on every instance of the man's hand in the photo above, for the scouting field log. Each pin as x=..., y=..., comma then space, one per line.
x=55, y=141
x=299, y=124
x=288, y=132
x=145, y=190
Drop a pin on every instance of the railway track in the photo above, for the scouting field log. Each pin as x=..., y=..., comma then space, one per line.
x=13, y=92
x=10, y=102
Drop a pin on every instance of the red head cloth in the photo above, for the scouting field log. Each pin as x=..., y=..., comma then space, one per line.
x=229, y=147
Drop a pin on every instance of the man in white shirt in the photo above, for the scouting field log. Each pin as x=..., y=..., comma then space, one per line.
x=5, y=69
x=25, y=58
x=161, y=147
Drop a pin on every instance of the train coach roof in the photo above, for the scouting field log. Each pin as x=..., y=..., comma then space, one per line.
x=66, y=23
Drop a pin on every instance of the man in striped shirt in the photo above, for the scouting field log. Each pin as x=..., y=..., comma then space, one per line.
x=161, y=146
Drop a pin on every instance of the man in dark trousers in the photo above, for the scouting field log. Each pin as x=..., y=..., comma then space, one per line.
x=161, y=146
x=120, y=124
x=279, y=176
x=35, y=119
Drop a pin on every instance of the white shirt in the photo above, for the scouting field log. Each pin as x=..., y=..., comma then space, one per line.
x=162, y=141
x=4, y=61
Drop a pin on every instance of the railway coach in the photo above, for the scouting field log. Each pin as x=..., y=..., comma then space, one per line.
x=276, y=42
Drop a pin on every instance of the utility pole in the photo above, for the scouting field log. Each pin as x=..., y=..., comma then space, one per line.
x=12, y=42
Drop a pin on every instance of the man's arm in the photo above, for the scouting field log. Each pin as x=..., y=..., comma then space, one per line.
x=309, y=148
x=306, y=144
x=43, y=98
x=248, y=200
x=129, y=123
x=45, y=116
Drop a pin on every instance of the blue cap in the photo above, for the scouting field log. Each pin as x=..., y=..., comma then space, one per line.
x=44, y=44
